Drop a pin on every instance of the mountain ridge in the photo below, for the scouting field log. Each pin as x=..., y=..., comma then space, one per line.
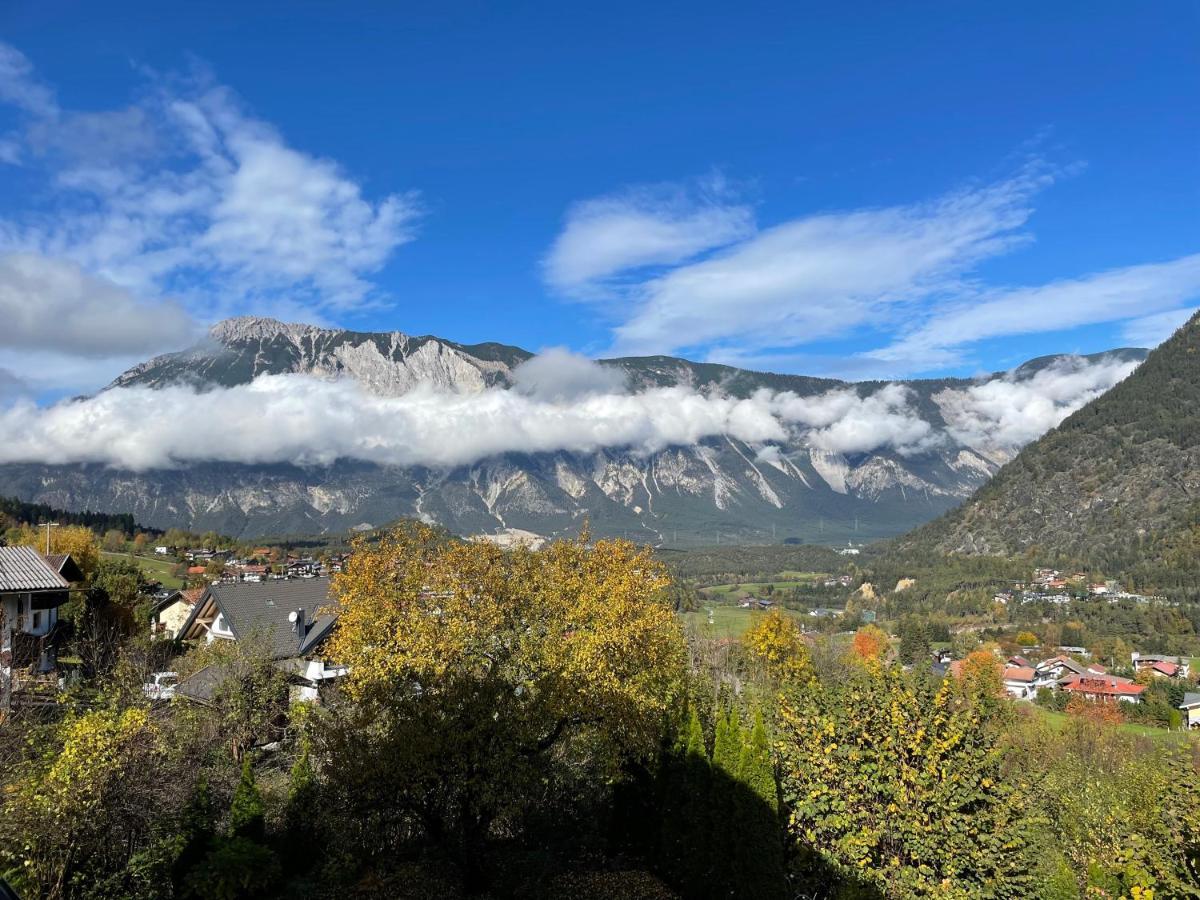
x=719, y=488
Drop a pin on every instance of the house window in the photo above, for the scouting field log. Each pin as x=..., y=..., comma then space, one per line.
x=37, y=620
x=22, y=608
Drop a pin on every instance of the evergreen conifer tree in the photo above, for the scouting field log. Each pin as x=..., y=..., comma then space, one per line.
x=246, y=812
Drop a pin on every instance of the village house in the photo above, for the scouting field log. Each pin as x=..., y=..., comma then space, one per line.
x=756, y=603
x=1191, y=710
x=1103, y=687
x=1019, y=681
x=292, y=618
x=168, y=614
x=1162, y=666
x=32, y=588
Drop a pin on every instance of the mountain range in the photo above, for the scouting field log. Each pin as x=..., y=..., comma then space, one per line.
x=713, y=490
x=1115, y=486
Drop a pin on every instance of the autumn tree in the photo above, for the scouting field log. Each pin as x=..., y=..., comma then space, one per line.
x=477, y=673
x=75, y=811
x=775, y=644
x=902, y=788
x=114, y=540
x=870, y=643
x=77, y=540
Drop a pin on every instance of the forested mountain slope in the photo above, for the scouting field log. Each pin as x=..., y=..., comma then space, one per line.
x=1116, y=485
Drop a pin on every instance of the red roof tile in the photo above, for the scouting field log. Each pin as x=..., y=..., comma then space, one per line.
x=1019, y=673
x=1103, y=685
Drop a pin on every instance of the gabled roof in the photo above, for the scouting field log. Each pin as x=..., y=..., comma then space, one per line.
x=65, y=566
x=24, y=569
x=1061, y=661
x=1166, y=668
x=1190, y=701
x=264, y=607
x=190, y=596
x=1019, y=673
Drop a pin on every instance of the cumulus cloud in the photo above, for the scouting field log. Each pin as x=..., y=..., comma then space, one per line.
x=186, y=193
x=1008, y=412
x=558, y=374
x=645, y=226
x=842, y=421
x=54, y=305
x=310, y=421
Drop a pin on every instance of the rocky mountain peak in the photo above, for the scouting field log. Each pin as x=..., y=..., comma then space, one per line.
x=239, y=329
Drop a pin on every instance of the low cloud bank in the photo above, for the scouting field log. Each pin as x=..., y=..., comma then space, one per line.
x=1009, y=412
x=305, y=420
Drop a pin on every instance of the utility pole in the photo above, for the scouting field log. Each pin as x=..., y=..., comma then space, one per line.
x=48, y=526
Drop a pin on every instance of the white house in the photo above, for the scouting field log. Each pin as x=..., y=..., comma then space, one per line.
x=1019, y=681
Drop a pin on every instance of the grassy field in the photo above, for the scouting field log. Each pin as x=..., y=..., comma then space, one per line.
x=1058, y=720
x=788, y=580
x=155, y=569
x=727, y=621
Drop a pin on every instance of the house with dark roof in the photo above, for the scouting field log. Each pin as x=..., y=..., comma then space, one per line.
x=32, y=588
x=1050, y=672
x=292, y=617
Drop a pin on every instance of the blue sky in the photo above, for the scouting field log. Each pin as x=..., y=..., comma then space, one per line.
x=862, y=190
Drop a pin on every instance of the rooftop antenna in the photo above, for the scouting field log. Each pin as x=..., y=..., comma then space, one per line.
x=48, y=526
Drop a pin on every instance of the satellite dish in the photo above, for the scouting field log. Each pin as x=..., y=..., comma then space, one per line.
x=292, y=616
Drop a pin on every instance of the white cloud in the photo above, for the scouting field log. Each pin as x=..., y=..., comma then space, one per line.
x=842, y=421
x=20, y=87
x=558, y=374
x=294, y=418
x=902, y=276
x=53, y=305
x=640, y=227
x=1152, y=330
x=1008, y=412
x=821, y=275
x=185, y=193
x=1105, y=297
x=301, y=419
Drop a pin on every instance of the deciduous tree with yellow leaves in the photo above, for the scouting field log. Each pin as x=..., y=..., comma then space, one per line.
x=902, y=789
x=482, y=671
x=775, y=644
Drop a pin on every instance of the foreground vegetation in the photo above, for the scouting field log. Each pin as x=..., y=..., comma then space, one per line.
x=542, y=724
